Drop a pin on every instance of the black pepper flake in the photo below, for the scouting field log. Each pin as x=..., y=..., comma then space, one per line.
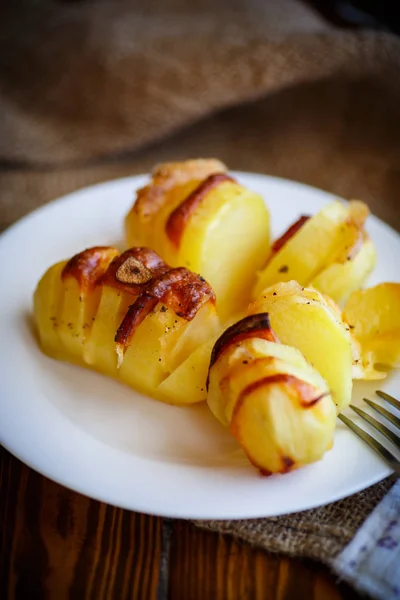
x=202, y=279
x=163, y=309
x=284, y=269
x=93, y=318
x=351, y=326
x=273, y=293
x=70, y=326
x=179, y=314
x=159, y=360
x=245, y=362
x=308, y=302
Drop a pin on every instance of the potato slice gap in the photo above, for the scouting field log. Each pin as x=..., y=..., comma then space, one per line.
x=81, y=297
x=330, y=252
x=353, y=259
x=304, y=318
x=304, y=254
x=170, y=184
x=215, y=245
x=343, y=277
x=47, y=308
x=374, y=318
x=275, y=403
x=187, y=383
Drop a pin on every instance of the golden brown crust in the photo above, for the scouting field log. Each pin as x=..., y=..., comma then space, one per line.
x=166, y=176
x=150, y=260
x=88, y=267
x=142, y=273
x=304, y=392
x=179, y=289
x=178, y=219
x=253, y=326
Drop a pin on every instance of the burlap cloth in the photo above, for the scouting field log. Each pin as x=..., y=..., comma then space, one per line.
x=87, y=91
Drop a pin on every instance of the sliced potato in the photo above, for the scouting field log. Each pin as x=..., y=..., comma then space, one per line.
x=305, y=253
x=187, y=383
x=304, y=318
x=340, y=279
x=129, y=316
x=275, y=403
x=47, y=302
x=194, y=214
x=214, y=244
x=374, y=318
x=330, y=252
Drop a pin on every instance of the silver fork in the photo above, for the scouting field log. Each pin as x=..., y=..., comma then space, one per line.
x=387, y=456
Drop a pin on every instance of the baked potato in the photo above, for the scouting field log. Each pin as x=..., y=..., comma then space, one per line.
x=330, y=251
x=274, y=402
x=373, y=316
x=304, y=318
x=130, y=316
x=194, y=214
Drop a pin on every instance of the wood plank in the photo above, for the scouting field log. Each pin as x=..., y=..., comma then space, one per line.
x=205, y=565
x=57, y=544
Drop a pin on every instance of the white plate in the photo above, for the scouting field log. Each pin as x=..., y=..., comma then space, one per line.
x=100, y=438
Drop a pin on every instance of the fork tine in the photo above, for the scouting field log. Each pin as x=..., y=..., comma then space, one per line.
x=385, y=413
x=381, y=428
x=389, y=399
x=383, y=452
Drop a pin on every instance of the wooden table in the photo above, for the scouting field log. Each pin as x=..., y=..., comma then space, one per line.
x=57, y=544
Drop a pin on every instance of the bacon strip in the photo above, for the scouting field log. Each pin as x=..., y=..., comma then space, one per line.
x=253, y=326
x=89, y=266
x=289, y=233
x=179, y=218
x=150, y=259
x=179, y=289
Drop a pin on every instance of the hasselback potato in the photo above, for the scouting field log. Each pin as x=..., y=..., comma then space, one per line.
x=194, y=214
x=130, y=316
x=274, y=402
x=330, y=251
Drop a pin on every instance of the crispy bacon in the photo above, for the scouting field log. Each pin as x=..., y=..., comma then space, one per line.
x=289, y=233
x=150, y=259
x=166, y=176
x=253, y=326
x=304, y=391
x=179, y=218
x=89, y=266
x=179, y=289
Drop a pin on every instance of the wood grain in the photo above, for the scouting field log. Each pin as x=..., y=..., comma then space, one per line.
x=207, y=565
x=57, y=544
